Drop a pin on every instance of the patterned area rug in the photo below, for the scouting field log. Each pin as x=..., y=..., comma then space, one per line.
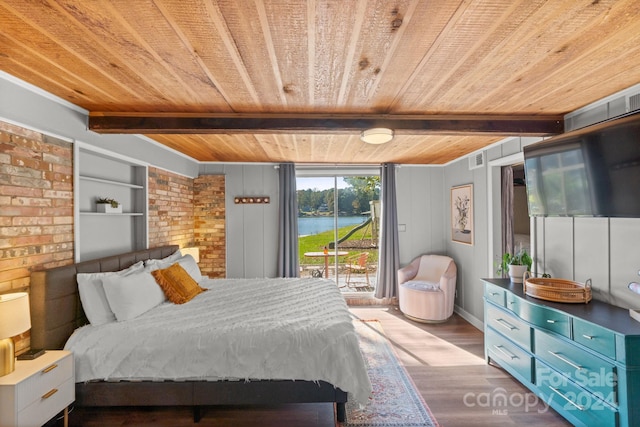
x=395, y=401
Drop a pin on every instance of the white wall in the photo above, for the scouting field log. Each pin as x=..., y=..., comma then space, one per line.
x=420, y=201
x=471, y=260
x=604, y=250
x=252, y=229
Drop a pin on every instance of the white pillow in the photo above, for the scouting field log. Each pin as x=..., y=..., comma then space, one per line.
x=164, y=261
x=190, y=265
x=187, y=262
x=94, y=301
x=130, y=296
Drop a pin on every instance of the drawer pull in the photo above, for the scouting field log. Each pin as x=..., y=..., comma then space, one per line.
x=589, y=337
x=551, y=321
x=506, y=324
x=565, y=360
x=49, y=368
x=559, y=393
x=50, y=393
x=511, y=302
x=506, y=353
x=493, y=294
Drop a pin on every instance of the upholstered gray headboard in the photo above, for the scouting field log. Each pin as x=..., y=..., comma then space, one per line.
x=55, y=305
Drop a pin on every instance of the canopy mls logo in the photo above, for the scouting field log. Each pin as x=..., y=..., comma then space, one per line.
x=500, y=401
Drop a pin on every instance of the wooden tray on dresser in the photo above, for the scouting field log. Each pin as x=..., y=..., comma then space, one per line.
x=557, y=290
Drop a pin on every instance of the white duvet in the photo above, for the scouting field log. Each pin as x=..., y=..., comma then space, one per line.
x=293, y=329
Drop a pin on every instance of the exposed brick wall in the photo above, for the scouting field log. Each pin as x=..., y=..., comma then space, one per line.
x=189, y=212
x=209, y=221
x=170, y=209
x=36, y=207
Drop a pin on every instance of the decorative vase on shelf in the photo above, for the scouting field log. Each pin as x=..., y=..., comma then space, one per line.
x=516, y=272
x=108, y=208
x=108, y=205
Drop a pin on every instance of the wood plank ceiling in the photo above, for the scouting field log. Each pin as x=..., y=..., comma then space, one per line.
x=296, y=80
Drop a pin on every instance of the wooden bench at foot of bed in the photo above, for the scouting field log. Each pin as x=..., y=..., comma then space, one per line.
x=56, y=311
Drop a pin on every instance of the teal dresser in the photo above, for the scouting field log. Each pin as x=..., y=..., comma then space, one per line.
x=581, y=359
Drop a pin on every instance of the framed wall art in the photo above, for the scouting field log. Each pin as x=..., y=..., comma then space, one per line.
x=462, y=214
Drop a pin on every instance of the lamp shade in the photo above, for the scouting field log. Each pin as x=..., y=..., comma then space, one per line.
x=194, y=252
x=376, y=135
x=14, y=314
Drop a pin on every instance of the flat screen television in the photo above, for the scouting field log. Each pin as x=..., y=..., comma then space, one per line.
x=594, y=171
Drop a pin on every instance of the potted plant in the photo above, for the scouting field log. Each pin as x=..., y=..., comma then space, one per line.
x=108, y=205
x=515, y=265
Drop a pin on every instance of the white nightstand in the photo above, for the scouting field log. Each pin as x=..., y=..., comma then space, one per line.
x=37, y=390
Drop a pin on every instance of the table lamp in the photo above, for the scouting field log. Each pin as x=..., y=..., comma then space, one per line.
x=193, y=251
x=14, y=320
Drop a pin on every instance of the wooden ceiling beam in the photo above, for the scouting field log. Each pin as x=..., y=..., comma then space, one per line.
x=187, y=123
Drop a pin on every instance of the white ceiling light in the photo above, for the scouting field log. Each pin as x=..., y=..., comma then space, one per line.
x=376, y=135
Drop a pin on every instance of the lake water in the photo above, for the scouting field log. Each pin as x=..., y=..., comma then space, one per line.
x=318, y=224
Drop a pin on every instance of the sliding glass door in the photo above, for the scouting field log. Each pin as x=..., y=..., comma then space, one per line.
x=338, y=224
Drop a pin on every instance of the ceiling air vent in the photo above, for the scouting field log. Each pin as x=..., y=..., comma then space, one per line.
x=634, y=102
x=476, y=161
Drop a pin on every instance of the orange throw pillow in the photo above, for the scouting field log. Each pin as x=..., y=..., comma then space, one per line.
x=177, y=284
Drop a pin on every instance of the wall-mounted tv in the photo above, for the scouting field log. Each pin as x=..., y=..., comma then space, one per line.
x=593, y=171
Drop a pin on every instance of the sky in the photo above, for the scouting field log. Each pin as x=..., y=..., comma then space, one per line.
x=318, y=183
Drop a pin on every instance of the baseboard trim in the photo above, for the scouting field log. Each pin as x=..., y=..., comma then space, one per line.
x=469, y=318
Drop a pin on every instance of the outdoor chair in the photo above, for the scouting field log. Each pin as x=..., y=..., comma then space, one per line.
x=357, y=264
x=427, y=288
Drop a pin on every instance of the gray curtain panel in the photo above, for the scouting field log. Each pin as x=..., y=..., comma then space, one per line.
x=389, y=254
x=507, y=210
x=288, y=265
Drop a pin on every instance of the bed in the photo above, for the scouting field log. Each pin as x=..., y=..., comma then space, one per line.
x=262, y=375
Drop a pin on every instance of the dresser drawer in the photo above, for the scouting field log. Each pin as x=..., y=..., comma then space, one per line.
x=583, y=368
x=545, y=318
x=508, y=355
x=494, y=294
x=513, y=303
x=595, y=337
x=572, y=400
x=49, y=377
x=48, y=404
x=510, y=326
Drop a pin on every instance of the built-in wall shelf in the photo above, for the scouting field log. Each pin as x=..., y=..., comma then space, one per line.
x=111, y=182
x=113, y=214
x=101, y=174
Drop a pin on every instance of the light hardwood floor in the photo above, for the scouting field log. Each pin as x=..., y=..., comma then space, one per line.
x=445, y=361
